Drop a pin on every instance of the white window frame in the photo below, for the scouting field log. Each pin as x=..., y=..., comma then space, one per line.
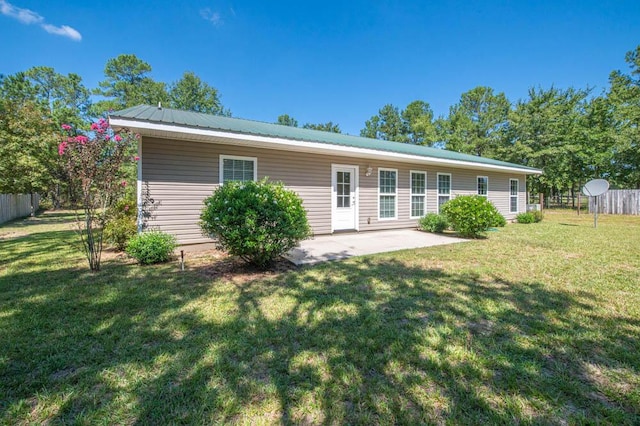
x=236, y=157
x=511, y=196
x=395, y=194
x=438, y=194
x=412, y=194
x=478, y=189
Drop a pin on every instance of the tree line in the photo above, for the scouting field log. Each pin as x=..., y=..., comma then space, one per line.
x=572, y=134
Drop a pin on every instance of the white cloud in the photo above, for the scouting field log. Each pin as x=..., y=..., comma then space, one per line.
x=211, y=16
x=25, y=16
x=64, y=31
x=29, y=17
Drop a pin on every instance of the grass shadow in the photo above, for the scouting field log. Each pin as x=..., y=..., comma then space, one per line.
x=370, y=340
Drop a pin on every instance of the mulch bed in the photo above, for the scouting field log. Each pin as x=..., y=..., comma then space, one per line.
x=218, y=264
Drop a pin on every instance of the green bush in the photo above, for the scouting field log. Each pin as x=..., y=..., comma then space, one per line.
x=151, y=247
x=538, y=215
x=433, y=222
x=121, y=223
x=256, y=221
x=527, y=217
x=119, y=231
x=471, y=215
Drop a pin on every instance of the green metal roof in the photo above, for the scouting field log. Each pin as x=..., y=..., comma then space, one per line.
x=152, y=114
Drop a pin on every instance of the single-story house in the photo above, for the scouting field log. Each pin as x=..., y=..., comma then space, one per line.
x=348, y=183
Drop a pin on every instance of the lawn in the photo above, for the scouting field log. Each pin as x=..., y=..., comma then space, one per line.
x=536, y=324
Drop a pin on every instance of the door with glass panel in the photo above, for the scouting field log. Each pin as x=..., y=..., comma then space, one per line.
x=344, y=212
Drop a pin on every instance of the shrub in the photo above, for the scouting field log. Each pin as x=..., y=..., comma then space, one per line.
x=121, y=225
x=434, y=222
x=256, y=221
x=151, y=247
x=527, y=217
x=471, y=215
x=538, y=215
x=119, y=231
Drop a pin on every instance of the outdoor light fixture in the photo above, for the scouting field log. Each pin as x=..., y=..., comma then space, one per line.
x=369, y=171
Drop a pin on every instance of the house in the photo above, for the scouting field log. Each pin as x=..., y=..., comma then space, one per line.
x=348, y=183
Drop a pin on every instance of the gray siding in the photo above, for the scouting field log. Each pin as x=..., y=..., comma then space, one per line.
x=181, y=174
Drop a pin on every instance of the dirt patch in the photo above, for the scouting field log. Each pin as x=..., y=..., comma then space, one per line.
x=216, y=264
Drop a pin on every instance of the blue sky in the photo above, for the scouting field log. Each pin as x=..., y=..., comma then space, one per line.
x=330, y=60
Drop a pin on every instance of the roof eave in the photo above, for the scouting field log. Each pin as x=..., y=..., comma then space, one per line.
x=147, y=128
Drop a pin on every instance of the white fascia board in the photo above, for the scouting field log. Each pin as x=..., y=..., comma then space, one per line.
x=306, y=146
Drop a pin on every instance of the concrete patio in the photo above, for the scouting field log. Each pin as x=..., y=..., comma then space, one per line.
x=342, y=246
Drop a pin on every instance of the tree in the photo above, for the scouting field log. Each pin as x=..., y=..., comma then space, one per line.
x=545, y=132
x=475, y=124
x=27, y=148
x=329, y=126
x=624, y=95
x=65, y=97
x=95, y=167
x=418, y=118
x=17, y=88
x=387, y=125
x=192, y=94
x=286, y=120
x=62, y=98
x=127, y=84
x=37, y=102
x=414, y=124
x=597, y=139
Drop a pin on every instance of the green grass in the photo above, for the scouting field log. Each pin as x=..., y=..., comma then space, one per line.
x=538, y=323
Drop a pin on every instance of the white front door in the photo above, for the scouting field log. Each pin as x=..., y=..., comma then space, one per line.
x=344, y=212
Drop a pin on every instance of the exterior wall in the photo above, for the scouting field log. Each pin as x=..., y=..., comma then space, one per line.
x=180, y=175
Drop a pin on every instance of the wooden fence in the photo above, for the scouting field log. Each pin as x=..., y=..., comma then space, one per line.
x=17, y=205
x=617, y=201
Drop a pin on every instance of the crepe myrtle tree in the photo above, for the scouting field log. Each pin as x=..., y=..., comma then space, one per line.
x=97, y=164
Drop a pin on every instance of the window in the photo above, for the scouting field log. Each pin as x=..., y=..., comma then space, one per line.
x=444, y=188
x=238, y=169
x=513, y=195
x=387, y=189
x=343, y=187
x=418, y=194
x=483, y=185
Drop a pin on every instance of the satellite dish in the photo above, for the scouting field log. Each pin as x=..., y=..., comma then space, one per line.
x=595, y=187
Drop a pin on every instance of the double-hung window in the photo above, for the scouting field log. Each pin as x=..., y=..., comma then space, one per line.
x=483, y=185
x=387, y=193
x=418, y=194
x=237, y=169
x=444, y=188
x=513, y=195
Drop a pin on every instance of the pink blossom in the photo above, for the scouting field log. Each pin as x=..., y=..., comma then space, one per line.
x=117, y=138
x=126, y=208
x=136, y=158
x=66, y=127
x=82, y=139
x=107, y=137
x=62, y=147
x=94, y=126
x=123, y=183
